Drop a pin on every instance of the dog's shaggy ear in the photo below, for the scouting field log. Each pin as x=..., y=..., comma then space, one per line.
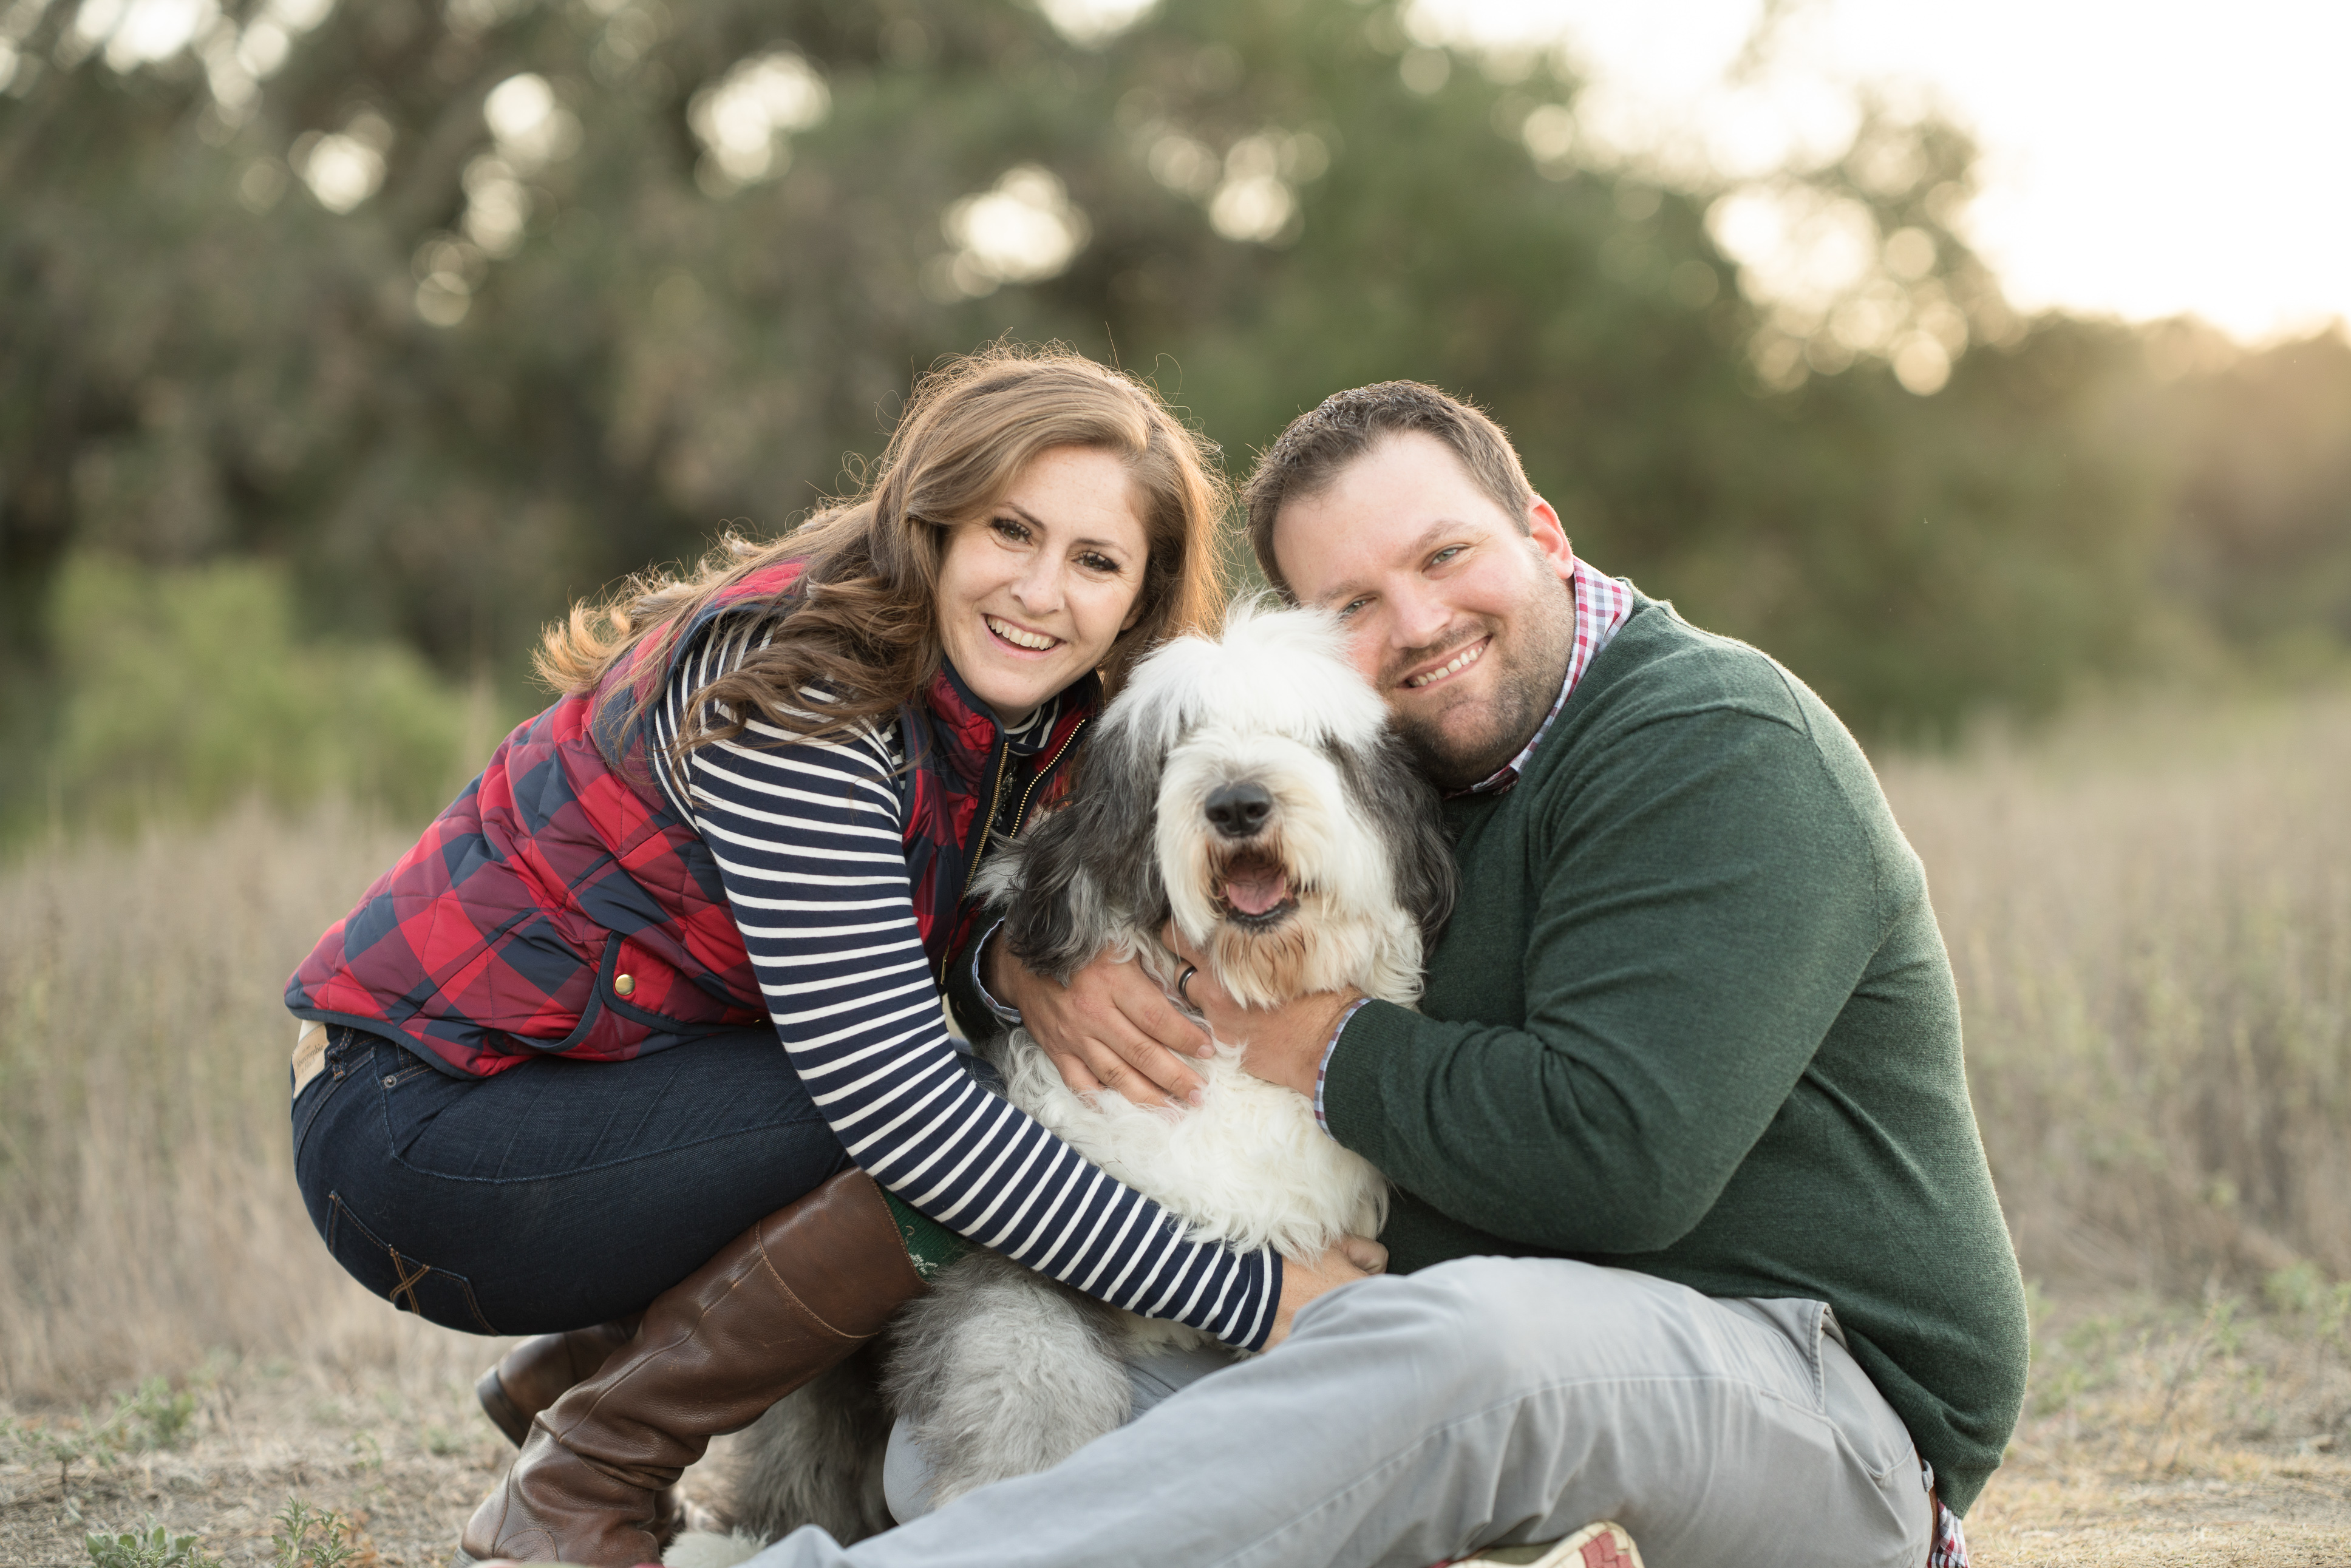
x=1088, y=875
x=1394, y=795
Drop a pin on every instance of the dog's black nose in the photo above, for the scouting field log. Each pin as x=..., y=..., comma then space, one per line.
x=1240, y=810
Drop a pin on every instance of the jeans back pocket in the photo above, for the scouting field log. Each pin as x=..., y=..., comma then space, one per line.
x=409, y=1283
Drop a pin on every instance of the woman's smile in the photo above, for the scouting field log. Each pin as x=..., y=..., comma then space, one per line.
x=1035, y=642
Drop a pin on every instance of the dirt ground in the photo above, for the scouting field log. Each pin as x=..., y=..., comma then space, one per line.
x=2154, y=1435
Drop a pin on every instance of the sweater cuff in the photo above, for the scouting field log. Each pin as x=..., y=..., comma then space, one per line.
x=1348, y=1095
x=1322, y=1069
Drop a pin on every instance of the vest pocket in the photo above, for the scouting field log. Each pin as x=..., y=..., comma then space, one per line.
x=409, y=1283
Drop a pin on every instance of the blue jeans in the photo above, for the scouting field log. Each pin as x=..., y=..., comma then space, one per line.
x=557, y=1194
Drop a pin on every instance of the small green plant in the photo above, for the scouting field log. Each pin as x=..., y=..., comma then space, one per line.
x=309, y=1538
x=150, y=1416
x=2221, y=1315
x=2297, y=1288
x=92, y=1442
x=158, y=1548
x=217, y=1363
x=158, y=1416
x=2337, y=1316
x=440, y=1442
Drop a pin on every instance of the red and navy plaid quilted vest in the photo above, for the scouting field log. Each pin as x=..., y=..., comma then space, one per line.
x=559, y=907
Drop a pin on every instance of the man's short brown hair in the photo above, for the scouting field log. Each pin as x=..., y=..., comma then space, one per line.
x=1309, y=455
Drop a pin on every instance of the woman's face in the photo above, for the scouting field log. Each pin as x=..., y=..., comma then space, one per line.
x=1034, y=590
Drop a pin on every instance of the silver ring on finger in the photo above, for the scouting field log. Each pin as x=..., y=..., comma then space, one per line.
x=1185, y=979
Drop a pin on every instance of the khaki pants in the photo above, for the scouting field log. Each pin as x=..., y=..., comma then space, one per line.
x=1409, y=1420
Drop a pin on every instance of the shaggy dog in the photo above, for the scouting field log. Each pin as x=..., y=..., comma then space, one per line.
x=1250, y=791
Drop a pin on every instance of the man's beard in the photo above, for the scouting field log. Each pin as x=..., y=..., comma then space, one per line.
x=1533, y=666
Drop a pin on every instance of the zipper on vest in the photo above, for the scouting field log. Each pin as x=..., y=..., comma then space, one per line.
x=1020, y=818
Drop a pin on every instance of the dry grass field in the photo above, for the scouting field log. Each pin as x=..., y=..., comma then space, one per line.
x=2151, y=920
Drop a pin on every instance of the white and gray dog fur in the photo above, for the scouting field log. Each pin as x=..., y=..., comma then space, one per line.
x=1251, y=789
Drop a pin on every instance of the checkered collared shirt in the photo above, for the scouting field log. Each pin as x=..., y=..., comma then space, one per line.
x=1602, y=603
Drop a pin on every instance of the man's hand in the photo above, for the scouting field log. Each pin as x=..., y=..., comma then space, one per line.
x=1110, y=1028
x=1284, y=1045
x=1354, y=1257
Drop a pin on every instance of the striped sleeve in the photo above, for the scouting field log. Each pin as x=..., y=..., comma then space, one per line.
x=810, y=841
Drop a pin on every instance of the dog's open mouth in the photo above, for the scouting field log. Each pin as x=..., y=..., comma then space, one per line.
x=1255, y=888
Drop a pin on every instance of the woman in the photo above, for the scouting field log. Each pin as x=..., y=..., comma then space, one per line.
x=542, y=1091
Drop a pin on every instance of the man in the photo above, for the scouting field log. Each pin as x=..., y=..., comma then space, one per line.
x=1693, y=1230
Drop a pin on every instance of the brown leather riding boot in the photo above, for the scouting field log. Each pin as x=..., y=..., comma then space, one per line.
x=535, y=1374
x=780, y=1302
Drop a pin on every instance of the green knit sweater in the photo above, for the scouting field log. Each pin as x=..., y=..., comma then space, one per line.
x=1693, y=1017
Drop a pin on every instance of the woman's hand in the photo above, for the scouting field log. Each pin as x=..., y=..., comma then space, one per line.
x=1354, y=1257
x=1284, y=1045
x=1110, y=1028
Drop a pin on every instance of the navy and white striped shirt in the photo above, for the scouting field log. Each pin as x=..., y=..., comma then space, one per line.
x=810, y=841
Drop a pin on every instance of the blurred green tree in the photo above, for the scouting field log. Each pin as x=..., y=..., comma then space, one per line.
x=461, y=309
x=183, y=690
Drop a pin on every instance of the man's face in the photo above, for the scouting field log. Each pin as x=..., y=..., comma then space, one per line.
x=1460, y=621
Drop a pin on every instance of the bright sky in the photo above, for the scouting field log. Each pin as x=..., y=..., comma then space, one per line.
x=2142, y=159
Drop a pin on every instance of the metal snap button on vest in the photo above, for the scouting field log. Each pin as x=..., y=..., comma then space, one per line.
x=626, y=985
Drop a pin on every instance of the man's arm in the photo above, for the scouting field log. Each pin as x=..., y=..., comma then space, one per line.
x=1707, y=900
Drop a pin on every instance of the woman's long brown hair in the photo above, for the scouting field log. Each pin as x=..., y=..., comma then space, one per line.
x=863, y=624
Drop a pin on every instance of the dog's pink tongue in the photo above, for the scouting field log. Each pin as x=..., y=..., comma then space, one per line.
x=1256, y=890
